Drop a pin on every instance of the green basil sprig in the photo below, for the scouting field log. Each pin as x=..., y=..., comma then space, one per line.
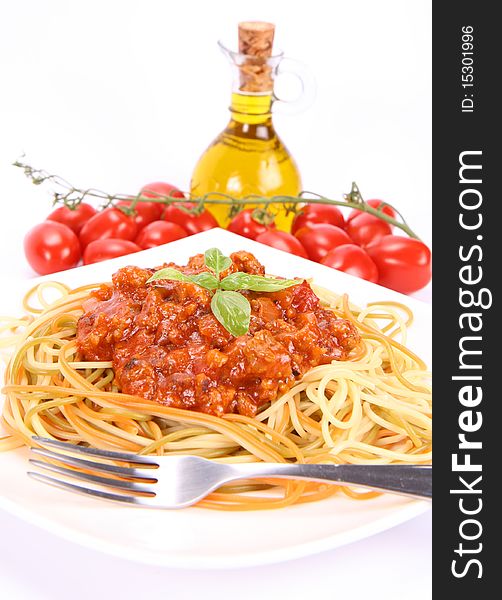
x=231, y=309
x=255, y=283
x=216, y=261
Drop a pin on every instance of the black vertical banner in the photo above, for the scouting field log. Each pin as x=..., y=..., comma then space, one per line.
x=466, y=224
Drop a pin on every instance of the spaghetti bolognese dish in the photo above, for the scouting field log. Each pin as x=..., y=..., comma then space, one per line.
x=217, y=359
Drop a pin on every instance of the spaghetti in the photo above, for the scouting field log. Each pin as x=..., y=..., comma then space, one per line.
x=374, y=407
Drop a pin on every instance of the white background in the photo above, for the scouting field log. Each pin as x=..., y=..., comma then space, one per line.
x=114, y=95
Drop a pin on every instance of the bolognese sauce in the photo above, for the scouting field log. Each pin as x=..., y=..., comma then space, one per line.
x=166, y=345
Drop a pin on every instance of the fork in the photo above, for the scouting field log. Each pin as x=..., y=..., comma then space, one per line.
x=179, y=481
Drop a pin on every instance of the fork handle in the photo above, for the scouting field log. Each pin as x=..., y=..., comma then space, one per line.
x=408, y=480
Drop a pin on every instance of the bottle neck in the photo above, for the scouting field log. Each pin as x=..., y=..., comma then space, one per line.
x=252, y=109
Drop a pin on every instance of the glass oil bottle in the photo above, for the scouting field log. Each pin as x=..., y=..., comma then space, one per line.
x=248, y=157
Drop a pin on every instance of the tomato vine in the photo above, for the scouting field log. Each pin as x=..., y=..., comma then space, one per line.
x=71, y=196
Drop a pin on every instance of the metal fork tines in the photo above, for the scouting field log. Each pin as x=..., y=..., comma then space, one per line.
x=134, y=476
x=179, y=481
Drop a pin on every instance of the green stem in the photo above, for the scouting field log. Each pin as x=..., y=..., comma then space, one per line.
x=73, y=196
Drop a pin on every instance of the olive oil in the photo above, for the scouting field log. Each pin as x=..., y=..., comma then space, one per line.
x=248, y=157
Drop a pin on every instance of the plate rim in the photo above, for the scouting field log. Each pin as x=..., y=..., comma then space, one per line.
x=406, y=512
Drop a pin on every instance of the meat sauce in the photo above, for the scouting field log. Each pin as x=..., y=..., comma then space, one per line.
x=166, y=345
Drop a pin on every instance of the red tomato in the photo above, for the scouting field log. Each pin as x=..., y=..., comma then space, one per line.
x=245, y=224
x=160, y=188
x=145, y=212
x=50, y=247
x=365, y=229
x=282, y=241
x=388, y=210
x=109, y=223
x=404, y=264
x=74, y=218
x=108, y=248
x=352, y=259
x=158, y=233
x=318, y=213
x=318, y=239
x=190, y=223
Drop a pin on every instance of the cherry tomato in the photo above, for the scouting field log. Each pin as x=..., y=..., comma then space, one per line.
x=190, y=223
x=160, y=188
x=50, y=247
x=158, y=233
x=365, y=229
x=352, y=259
x=154, y=190
x=282, y=241
x=318, y=239
x=74, y=218
x=318, y=213
x=245, y=224
x=145, y=212
x=404, y=264
x=388, y=210
x=109, y=223
x=108, y=248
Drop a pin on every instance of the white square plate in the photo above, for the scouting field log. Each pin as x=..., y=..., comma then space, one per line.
x=195, y=537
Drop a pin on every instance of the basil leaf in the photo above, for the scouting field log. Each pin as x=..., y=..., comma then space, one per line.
x=271, y=284
x=236, y=281
x=171, y=274
x=256, y=283
x=216, y=261
x=232, y=310
x=205, y=280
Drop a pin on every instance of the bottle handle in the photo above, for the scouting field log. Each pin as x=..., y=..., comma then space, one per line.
x=305, y=98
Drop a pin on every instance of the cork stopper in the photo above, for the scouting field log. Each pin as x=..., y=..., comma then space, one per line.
x=256, y=39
